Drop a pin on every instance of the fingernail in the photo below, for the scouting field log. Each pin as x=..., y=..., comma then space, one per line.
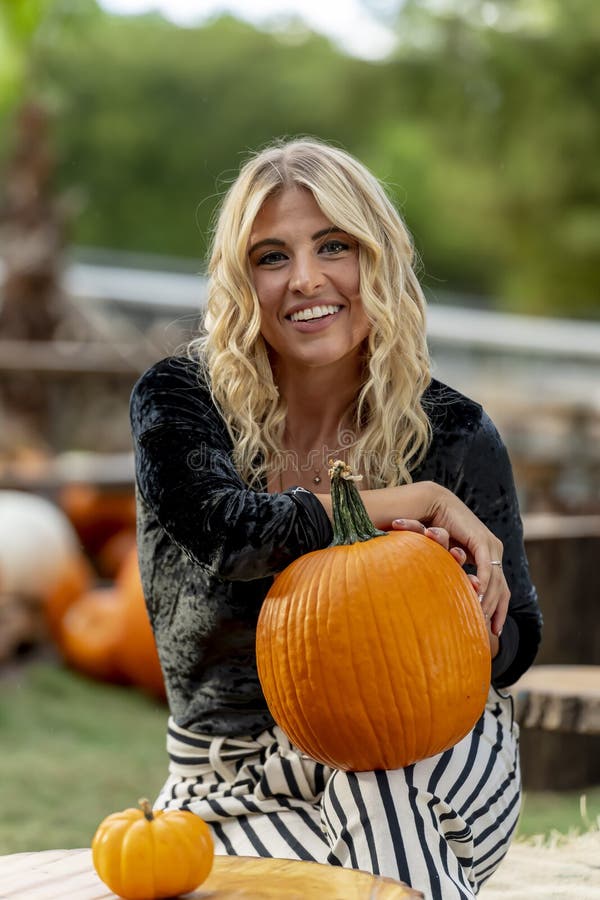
x=480, y=597
x=399, y=522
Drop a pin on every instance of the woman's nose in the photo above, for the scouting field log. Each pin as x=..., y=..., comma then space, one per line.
x=306, y=276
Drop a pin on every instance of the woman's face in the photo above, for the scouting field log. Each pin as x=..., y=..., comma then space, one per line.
x=306, y=275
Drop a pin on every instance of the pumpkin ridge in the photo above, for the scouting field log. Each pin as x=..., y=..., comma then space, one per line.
x=418, y=712
x=428, y=647
x=314, y=661
x=168, y=846
x=319, y=704
x=466, y=664
x=412, y=661
x=133, y=847
x=295, y=685
x=383, y=640
x=114, y=828
x=335, y=620
x=286, y=610
x=372, y=639
x=433, y=646
x=319, y=657
x=190, y=848
x=270, y=621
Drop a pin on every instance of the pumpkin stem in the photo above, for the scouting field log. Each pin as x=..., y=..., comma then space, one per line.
x=146, y=808
x=351, y=522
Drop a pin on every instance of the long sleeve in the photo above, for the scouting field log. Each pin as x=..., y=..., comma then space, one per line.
x=185, y=473
x=468, y=457
x=486, y=485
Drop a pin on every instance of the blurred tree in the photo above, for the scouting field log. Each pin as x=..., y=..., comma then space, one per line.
x=160, y=117
x=33, y=218
x=483, y=123
x=32, y=221
x=504, y=98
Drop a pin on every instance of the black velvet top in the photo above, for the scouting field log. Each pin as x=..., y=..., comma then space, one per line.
x=209, y=546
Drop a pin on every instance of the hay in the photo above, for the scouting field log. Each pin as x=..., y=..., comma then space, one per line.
x=556, y=867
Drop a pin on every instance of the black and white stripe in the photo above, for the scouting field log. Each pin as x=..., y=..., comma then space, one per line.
x=442, y=825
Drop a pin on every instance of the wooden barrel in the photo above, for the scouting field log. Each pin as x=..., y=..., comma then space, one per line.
x=56, y=874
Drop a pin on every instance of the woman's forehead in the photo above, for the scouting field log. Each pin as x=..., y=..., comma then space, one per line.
x=288, y=209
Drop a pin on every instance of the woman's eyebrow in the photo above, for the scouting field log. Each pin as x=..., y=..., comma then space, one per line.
x=333, y=229
x=276, y=241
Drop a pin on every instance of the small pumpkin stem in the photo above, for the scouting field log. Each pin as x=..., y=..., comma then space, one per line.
x=351, y=521
x=146, y=809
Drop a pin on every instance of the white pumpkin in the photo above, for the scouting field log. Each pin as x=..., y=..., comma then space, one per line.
x=37, y=544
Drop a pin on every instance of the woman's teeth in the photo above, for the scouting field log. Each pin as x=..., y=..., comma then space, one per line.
x=315, y=312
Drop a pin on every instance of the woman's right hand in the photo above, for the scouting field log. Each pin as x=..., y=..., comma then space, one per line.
x=436, y=506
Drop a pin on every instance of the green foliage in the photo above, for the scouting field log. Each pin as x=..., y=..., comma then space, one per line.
x=484, y=124
x=27, y=28
x=156, y=135
x=21, y=18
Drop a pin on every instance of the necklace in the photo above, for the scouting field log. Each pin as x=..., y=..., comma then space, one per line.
x=317, y=474
x=316, y=479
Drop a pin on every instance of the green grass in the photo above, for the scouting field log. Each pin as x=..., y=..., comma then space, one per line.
x=74, y=750
x=548, y=812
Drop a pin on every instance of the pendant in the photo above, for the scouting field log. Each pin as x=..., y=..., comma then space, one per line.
x=317, y=479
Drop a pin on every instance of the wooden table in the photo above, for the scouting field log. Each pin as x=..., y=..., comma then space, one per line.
x=69, y=875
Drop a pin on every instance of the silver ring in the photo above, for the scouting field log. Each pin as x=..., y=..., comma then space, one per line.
x=496, y=562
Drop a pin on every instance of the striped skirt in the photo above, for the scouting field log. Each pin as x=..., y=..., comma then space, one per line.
x=441, y=825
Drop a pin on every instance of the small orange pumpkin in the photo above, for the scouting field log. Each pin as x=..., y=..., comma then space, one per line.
x=142, y=854
x=372, y=653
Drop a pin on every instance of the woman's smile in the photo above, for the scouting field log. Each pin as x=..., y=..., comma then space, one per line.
x=315, y=317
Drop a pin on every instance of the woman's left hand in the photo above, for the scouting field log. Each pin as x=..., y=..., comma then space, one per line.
x=439, y=535
x=442, y=537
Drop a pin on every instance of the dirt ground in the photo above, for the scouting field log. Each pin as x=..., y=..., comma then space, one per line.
x=560, y=869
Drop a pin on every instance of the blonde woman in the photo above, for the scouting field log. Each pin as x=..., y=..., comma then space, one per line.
x=314, y=344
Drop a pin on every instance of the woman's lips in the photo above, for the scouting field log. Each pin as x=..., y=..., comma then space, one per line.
x=310, y=325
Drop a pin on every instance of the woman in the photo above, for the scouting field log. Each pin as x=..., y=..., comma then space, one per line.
x=314, y=345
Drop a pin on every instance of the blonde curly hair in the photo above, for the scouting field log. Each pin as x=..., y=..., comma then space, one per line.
x=392, y=431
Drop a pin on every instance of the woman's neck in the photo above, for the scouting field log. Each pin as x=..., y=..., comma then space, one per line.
x=319, y=404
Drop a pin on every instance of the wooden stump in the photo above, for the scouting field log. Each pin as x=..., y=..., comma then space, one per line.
x=563, y=554
x=558, y=708
x=560, y=698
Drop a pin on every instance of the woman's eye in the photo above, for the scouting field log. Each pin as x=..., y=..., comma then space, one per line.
x=334, y=247
x=270, y=258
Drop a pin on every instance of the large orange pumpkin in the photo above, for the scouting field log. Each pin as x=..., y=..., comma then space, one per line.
x=136, y=650
x=97, y=512
x=373, y=653
x=90, y=632
x=114, y=551
x=75, y=579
